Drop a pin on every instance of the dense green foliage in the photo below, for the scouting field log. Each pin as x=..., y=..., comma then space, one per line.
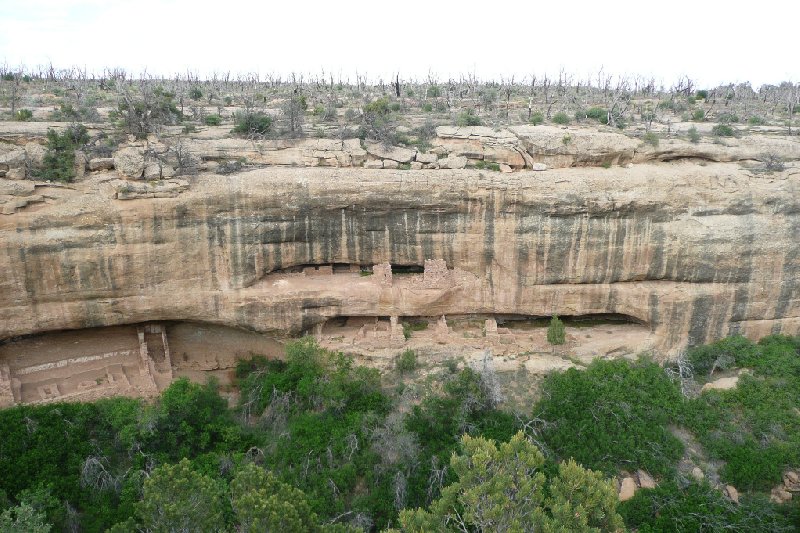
x=468, y=118
x=406, y=362
x=212, y=120
x=145, y=113
x=561, y=118
x=724, y=130
x=59, y=159
x=252, y=123
x=505, y=488
x=556, y=334
x=23, y=115
x=318, y=443
x=612, y=416
x=699, y=507
x=177, y=498
x=23, y=518
x=754, y=427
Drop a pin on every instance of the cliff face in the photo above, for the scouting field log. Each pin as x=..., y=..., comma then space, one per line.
x=693, y=252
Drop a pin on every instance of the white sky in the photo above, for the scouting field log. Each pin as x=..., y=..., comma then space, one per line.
x=712, y=42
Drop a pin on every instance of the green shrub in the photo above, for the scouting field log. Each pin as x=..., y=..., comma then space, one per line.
x=722, y=355
x=195, y=93
x=8, y=76
x=59, y=159
x=566, y=139
x=753, y=428
x=378, y=122
x=395, y=106
x=613, y=415
x=427, y=107
x=723, y=130
x=651, y=139
x=406, y=362
x=703, y=94
x=694, y=135
x=560, y=118
x=756, y=121
x=699, y=507
x=433, y=91
x=379, y=106
x=698, y=115
x=23, y=115
x=486, y=165
x=727, y=118
x=597, y=113
x=212, y=120
x=249, y=123
x=468, y=118
x=555, y=331
x=536, y=118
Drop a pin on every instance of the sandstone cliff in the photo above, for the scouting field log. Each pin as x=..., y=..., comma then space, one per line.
x=691, y=252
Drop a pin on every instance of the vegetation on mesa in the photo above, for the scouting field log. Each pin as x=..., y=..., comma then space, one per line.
x=398, y=112
x=317, y=443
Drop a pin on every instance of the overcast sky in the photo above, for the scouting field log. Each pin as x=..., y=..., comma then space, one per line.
x=712, y=42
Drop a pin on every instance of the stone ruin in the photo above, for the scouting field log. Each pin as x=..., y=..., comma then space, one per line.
x=382, y=274
x=91, y=373
x=436, y=275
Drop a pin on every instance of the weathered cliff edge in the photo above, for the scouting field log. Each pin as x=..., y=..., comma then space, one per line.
x=693, y=252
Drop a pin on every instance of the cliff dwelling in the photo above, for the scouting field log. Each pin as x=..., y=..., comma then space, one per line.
x=116, y=285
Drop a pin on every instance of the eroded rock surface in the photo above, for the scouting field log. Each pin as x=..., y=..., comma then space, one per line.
x=690, y=253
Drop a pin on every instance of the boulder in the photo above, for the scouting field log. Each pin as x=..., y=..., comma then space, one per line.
x=645, y=480
x=10, y=207
x=167, y=171
x=152, y=171
x=721, y=384
x=698, y=474
x=505, y=168
x=482, y=143
x=375, y=163
x=427, y=157
x=13, y=159
x=576, y=147
x=416, y=165
x=538, y=167
x=162, y=189
x=357, y=154
x=732, y=493
x=80, y=164
x=627, y=489
x=390, y=163
x=454, y=162
x=16, y=173
x=34, y=155
x=17, y=188
x=130, y=162
x=395, y=153
x=780, y=495
x=101, y=163
x=791, y=481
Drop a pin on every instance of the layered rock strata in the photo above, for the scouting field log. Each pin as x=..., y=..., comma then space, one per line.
x=692, y=252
